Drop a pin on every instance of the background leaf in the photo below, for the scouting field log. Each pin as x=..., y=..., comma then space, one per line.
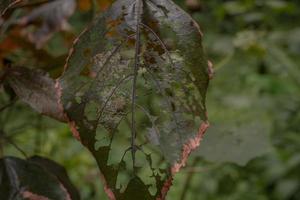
x=54, y=17
x=22, y=179
x=36, y=89
x=60, y=173
x=237, y=140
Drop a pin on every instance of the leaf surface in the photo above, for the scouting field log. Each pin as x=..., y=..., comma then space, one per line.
x=135, y=58
x=59, y=172
x=21, y=179
x=37, y=89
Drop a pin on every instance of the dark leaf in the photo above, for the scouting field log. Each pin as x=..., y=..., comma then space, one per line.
x=60, y=173
x=36, y=89
x=20, y=179
x=138, y=51
x=54, y=17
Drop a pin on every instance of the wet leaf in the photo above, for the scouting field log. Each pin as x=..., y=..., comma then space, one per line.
x=53, y=17
x=36, y=89
x=138, y=50
x=21, y=179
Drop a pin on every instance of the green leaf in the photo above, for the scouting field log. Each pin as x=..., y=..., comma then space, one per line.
x=237, y=140
x=241, y=128
x=138, y=67
x=21, y=179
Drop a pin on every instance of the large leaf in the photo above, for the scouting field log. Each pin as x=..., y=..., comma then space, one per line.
x=21, y=179
x=37, y=89
x=134, y=91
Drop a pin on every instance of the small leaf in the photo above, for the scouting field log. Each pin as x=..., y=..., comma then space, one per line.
x=36, y=89
x=54, y=17
x=21, y=179
x=138, y=51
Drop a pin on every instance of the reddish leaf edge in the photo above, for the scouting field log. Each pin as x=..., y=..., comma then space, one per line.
x=76, y=135
x=187, y=149
x=32, y=196
x=71, y=123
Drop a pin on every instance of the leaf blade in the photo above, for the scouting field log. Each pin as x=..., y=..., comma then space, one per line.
x=98, y=96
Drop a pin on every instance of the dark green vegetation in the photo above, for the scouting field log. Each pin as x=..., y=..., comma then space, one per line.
x=251, y=151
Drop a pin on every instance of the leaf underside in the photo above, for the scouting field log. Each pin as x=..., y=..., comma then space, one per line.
x=134, y=91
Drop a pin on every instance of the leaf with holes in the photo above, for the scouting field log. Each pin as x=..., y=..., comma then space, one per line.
x=21, y=179
x=134, y=91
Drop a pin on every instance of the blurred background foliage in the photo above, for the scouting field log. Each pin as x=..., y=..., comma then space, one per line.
x=251, y=151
